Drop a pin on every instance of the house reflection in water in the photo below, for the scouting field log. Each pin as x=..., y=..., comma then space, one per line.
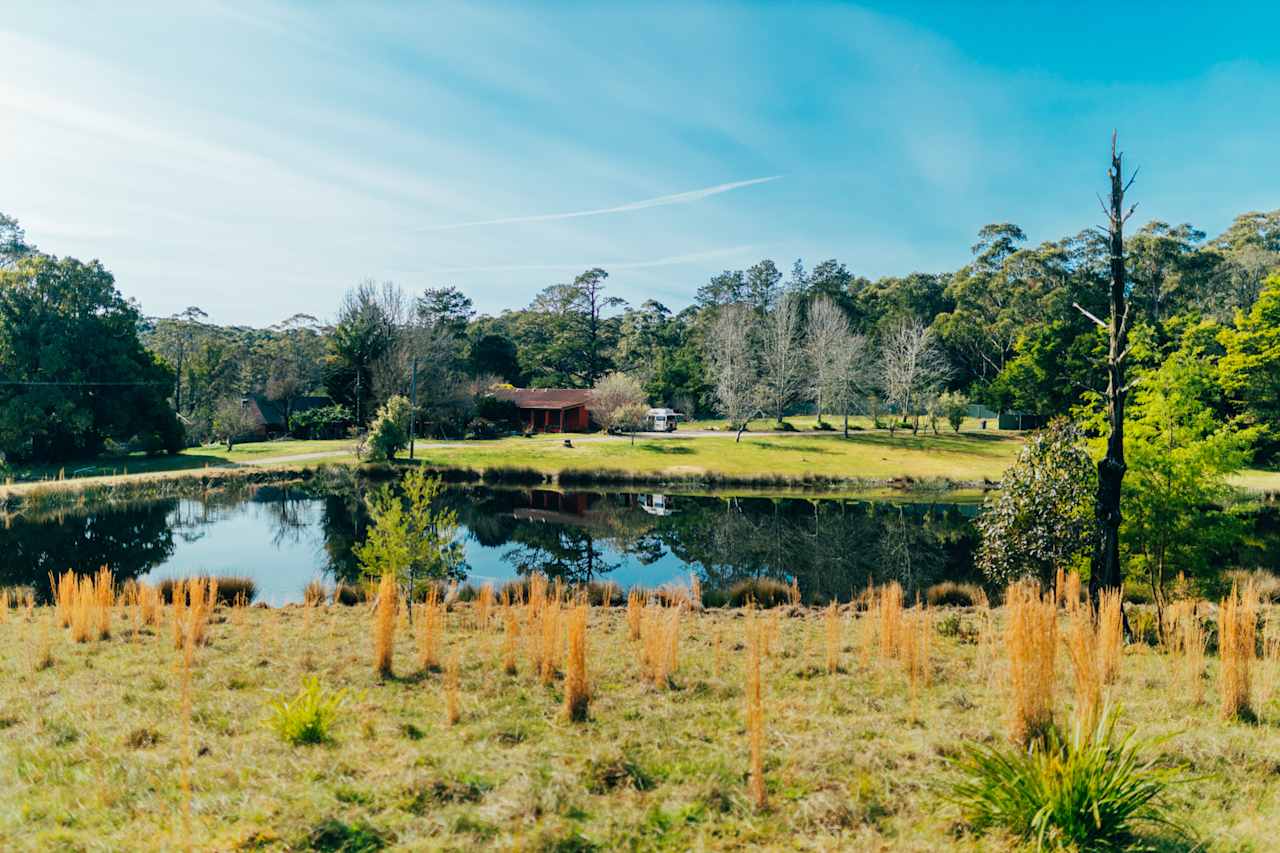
x=655, y=504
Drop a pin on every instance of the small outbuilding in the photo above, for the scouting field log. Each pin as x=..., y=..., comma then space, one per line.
x=550, y=409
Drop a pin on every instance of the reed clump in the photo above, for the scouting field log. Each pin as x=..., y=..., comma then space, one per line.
x=1237, y=638
x=384, y=625
x=635, y=612
x=430, y=630
x=1086, y=666
x=576, y=687
x=510, y=639
x=831, y=632
x=1031, y=639
x=889, y=616
x=1110, y=638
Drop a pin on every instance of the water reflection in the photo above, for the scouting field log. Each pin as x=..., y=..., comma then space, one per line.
x=285, y=536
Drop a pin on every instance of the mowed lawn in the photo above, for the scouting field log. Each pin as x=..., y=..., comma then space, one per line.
x=93, y=748
x=967, y=457
x=256, y=453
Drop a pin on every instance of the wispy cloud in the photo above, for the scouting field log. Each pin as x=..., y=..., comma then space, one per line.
x=611, y=266
x=645, y=204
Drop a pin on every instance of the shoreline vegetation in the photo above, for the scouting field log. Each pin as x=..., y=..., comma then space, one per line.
x=964, y=466
x=550, y=721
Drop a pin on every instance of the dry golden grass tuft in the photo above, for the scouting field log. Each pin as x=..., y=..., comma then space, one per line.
x=384, y=626
x=1031, y=639
x=576, y=687
x=429, y=630
x=1110, y=638
x=510, y=638
x=635, y=610
x=1086, y=666
x=1237, y=630
x=889, y=616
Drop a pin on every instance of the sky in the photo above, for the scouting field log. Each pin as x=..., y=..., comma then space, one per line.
x=259, y=159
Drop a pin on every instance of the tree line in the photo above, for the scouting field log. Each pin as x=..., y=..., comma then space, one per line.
x=1001, y=330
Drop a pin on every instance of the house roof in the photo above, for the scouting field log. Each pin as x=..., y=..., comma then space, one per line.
x=554, y=399
x=271, y=414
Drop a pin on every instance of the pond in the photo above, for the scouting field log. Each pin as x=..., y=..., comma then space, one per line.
x=285, y=537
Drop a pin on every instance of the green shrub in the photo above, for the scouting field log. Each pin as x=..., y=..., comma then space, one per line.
x=308, y=717
x=337, y=837
x=389, y=432
x=1086, y=792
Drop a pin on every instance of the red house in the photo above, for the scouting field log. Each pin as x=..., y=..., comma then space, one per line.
x=550, y=409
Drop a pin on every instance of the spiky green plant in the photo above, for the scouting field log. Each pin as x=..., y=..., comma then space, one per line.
x=308, y=717
x=1088, y=791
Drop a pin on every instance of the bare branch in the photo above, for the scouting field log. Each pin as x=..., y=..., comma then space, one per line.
x=1089, y=314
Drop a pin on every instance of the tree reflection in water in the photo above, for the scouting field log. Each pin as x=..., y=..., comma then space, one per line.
x=832, y=547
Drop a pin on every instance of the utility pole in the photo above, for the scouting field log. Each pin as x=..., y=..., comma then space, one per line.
x=413, y=408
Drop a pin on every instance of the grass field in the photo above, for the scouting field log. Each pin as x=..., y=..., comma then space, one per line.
x=93, y=751
x=256, y=453
x=967, y=457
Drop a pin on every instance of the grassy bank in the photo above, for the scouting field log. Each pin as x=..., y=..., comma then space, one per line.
x=93, y=750
x=867, y=457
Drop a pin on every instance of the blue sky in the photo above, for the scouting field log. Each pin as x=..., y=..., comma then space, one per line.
x=259, y=159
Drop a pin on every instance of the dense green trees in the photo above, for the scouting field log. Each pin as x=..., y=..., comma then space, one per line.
x=74, y=372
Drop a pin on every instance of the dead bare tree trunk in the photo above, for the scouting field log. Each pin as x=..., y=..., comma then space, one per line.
x=1105, y=570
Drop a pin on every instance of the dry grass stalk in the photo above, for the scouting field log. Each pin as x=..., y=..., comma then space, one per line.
x=1031, y=638
x=755, y=710
x=1086, y=667
x=452, y=685
x=104, y=598
x=635, y=609
x=64, y=589
x=671, y=640
x=793, y=593
x=314, y=594
x=1060, y=586
x=1193, y=645
x=831, y=625
x=889, y=608
x=384, y=625
x=29, y=604
x=549, y=633
x=430, y=629
x=576, y=688
x=695, y=592
x=510, y=639
x=484, y=606
x=1074, y=593
x=6, y=601
x=1110, y=637
x=1237, y=629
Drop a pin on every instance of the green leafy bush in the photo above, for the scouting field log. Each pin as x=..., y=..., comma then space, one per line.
x=1086, y=792
x=389, y=432
x=308, y=717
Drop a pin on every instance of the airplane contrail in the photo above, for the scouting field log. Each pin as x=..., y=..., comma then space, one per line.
x=660, y=201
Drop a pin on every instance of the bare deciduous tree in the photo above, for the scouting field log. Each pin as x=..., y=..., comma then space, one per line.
x=614, y=400
x=911, y=366
x=782, y=357
x=828, y=329
x=732, y=364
